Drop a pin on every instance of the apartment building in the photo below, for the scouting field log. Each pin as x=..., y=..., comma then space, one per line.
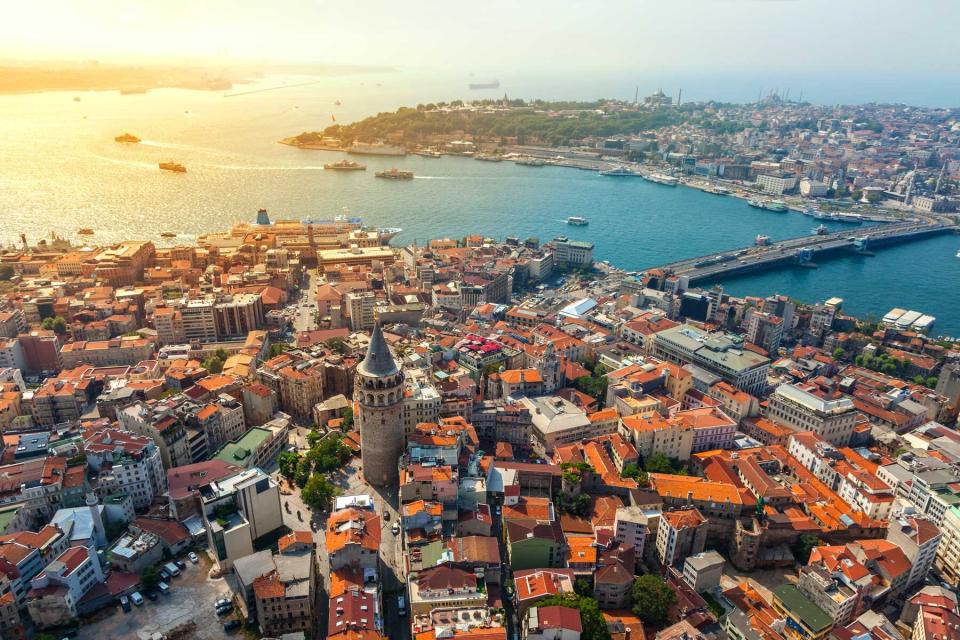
x=121, y=351
x=125, y=464
x=720, y=354
x=801, y=410
x=158, y=421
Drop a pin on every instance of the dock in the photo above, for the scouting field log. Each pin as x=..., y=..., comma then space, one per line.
x=803, y=251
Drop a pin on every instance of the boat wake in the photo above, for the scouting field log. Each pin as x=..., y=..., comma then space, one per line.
x=129, y=163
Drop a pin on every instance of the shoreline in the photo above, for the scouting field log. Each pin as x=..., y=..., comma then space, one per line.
x=553, y=157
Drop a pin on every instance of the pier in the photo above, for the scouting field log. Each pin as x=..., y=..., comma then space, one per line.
x=804, y=251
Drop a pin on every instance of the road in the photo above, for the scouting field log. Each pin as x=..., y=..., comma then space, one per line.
x=303, y=318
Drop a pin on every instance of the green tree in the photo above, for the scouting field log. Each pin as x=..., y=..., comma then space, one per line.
x=338, y=344
x=59, y=325
x=213, y=364
x=319, y=492
x=591, y=620
x=277, y=348
x=652, y=598
x=302, y=474
x=582, y=587
x=287, y=463
x=931, y=382
x=6, y=272
x=149, y=578
x=46, y=324
x=347, y=416
x=313, y=437
x=838, y=353
x=803, y=546
x=631, y=470
x=659, y=463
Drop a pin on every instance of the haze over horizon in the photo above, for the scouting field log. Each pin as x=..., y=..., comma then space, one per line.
x=807, y=37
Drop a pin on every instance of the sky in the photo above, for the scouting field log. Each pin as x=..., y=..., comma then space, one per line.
x=881, y=38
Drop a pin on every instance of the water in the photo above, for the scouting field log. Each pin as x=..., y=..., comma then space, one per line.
x=60, y=170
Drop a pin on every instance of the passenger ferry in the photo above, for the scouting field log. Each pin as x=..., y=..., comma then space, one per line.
x=577, y=221
x=777, y=206
x=344, y=165
x=395, y=174
x=173, y=166
x=620, y=172
x=661, y=178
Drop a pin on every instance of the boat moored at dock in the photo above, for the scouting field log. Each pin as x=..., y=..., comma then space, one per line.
x=777, y=206
x=620, y=171
x=662, y=178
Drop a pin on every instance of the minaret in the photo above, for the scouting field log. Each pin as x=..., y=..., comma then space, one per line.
x=99, y=532
x=379, y=392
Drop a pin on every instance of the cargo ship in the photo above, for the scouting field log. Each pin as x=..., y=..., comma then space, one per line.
x=395, y=174
x=344, y=165
x=128, y=137
x=173, y=166
x=375, y=149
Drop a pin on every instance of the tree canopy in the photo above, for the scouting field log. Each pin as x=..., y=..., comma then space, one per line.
x=319, y=492
x=652, y=598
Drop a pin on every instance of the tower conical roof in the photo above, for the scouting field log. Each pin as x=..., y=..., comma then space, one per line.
x=379, y=362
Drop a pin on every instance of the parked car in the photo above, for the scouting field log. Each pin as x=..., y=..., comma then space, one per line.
x=165, y=574
x=193, y=557
x=231, y=625
x=152, y=596
x=164, y=588
x=136, y=598
x=125, y=603
x=181, y=564
x=223, y=610
x=221, y=602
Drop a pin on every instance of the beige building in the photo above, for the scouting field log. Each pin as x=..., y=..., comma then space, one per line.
x=653, y=434
x=122, y=351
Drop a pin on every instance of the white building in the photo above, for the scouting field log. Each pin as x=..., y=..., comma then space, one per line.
x=776, y=183
x=798, y=409
x=126, y=464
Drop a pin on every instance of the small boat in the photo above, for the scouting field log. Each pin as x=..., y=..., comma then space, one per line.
x=387, y=233
x=395, y=174
x=821, y=230
x=85, y=231
x=719, y=191
x=620, y=172
x=577, y=221
x=128, y=137
x=345, y=165
x=428, y=153
x=172, y=166
x=167, y=234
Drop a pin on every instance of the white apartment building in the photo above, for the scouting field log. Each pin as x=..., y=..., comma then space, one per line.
x=127, y=464
x=801, y=410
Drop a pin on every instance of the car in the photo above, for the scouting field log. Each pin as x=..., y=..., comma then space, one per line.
x=165, y=574
x=152, y=596
x=136, y=598
x=164, y=588
x=223, y=610
x=194, y=558
x=221, y=602
x=125, y=603
x=181, y=564
x=231, y=625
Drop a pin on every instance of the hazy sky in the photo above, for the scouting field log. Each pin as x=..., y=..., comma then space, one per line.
x=496, y=36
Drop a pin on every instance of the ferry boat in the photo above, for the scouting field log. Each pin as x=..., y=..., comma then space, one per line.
x=820, y=230
x=344, y=165
x=761, y=241
x=719, y=191
x=388, y=233
x=663, y=179
x=958, y=254
x=474, y=86
x=375, y=149
x=395, y=174
x=577, y=221
x=173, y=166
x=428, y=153
x=620, y=172
x=128, y=137
x=777, y=206
x=530, y=162
x=488, y=157
x=85, y=231
x=167, y=234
